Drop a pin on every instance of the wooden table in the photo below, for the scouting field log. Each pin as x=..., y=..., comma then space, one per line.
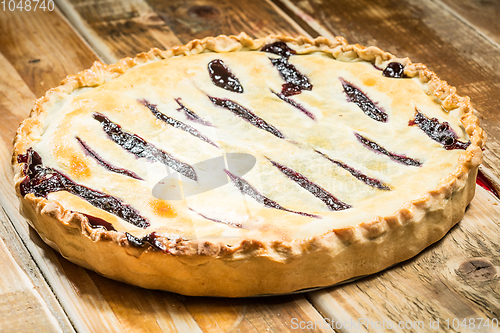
x=456, y=279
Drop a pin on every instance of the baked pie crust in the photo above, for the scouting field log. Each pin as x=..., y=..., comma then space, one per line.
x=351, y=160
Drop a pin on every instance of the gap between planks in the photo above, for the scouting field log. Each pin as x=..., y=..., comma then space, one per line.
x=466, y=22
x=27, y=304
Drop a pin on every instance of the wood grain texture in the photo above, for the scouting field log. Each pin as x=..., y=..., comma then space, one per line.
x=458, y=277
x=16, y=101
x=21, y=304
x=138, y=310
x=424, y=31
x=42, y=48
x=118, y=29
x=481, y=15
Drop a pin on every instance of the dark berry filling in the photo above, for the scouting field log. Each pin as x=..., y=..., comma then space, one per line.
x=141, y=148
x=176, y=123
x=252, y=192
x=104, y=163
x=41, y=181
x=330, y=201
x=279, y=48
x=248, y=115
x=96, y=222
x=440, y=132
x=395, y=157
x=359, y=175
x=151, y=239
x=191, y=115
x=356, y=96
x=395, y=70
x=486, y=183
x=134, y=241
x=295, y=81
x=222, y=77
x=294, y=104
x=232, y=224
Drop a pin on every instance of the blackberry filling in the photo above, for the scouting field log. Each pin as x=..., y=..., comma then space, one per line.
x=191, y=115
x=437, y=131
x=359, y=175
x=176, y=123
x=330, y=201
x=41, y=181
x=295, y=81
x=141, y=148
x=394, y=70
x=356, y=96
x=252, y=192
x=395, y=157
x=294, y=104
x=248, y=115
x=104, y=163
x=222, y=77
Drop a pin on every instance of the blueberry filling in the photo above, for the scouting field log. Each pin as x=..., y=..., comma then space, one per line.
x=437, y=131
x=232, y=224
x=295, y=81
x=151, y=239
x=356, y=96
x=176, y=123
x=96, y=222
x=41, y=181
x=279, y=48
x=394, y=70
x=191, y=115
x=141, y=148
x=104, y=163
x=134, y=241
x=395, y=157
x=252, y=192
x=222, y=77
x=330, y=201
x=294, y=104
x=248, y=115
x=359, y=175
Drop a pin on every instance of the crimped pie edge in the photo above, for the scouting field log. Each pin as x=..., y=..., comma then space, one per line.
x=255, y=267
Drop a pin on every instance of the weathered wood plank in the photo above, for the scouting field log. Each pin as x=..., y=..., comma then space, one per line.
x=118, y=29
x=157, y=311
x=42, y=48
x=21, y=305
x=481, y=15
x=425, y=32
x=261, y=314
x=455, y=279
x=16, y=100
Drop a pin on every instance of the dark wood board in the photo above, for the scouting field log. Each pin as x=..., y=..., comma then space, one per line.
x=118, y=29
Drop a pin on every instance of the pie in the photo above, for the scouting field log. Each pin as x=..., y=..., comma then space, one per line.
x=233, y=166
